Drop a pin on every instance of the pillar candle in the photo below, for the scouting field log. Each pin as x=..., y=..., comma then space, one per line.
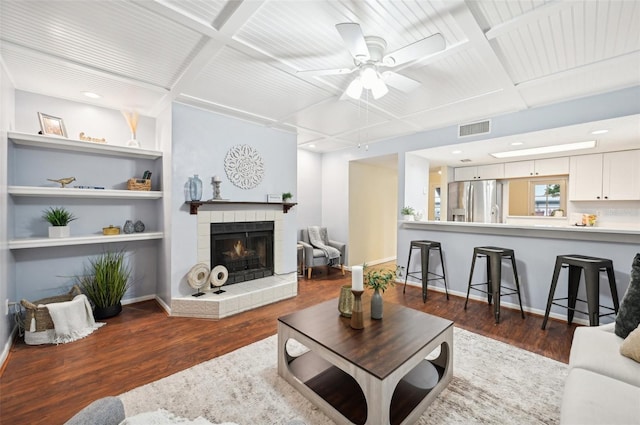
x=356, y=278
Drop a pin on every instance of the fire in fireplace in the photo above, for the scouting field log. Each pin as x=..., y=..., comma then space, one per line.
x=244, y=248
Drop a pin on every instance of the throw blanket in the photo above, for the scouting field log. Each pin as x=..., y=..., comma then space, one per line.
x=73, y=319
x=319, y=239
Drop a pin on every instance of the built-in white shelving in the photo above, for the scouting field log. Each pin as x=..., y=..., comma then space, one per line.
x=69, y=192
x=40, y=142
x=81, y=240
x=60, y=143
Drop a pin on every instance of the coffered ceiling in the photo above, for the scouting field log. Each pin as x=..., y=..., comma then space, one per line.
x=241, y=58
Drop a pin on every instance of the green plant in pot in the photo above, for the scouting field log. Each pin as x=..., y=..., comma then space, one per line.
x=59, y=218
x=286, y=196
x=105, y=281
x=379, y=280
x=407, y=213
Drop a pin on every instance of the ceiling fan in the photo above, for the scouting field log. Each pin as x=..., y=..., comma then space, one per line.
x=373, y=65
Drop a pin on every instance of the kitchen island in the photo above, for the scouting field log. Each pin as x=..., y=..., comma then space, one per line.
x=536, y=248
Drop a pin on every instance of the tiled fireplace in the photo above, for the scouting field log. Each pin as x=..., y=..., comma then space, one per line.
x=249, y=285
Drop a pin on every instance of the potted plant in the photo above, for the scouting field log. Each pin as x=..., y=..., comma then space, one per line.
x=379, y=280
x=105, y=282
x=59, y=218
x=286, y=196
x=407, y=213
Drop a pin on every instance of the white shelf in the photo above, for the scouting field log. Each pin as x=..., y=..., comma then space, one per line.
x=81, y=240
x=69, y=192
x=60, y=143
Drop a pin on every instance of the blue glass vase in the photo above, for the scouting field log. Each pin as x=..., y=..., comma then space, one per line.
x=196, y=188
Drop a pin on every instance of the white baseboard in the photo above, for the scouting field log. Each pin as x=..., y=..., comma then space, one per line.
x=7, y=346
x=374, y=262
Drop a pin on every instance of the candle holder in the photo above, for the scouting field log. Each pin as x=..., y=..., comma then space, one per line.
x=356, y=312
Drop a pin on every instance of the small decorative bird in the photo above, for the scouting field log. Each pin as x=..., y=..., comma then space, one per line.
x=63, y=182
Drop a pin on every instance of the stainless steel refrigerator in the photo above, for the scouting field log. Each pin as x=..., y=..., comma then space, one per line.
x=475, y=201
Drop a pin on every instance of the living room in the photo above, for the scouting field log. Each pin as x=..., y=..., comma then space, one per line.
x=194, y=134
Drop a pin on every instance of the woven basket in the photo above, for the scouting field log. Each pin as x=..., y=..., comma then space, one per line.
x=139, y=184
x=41, y=314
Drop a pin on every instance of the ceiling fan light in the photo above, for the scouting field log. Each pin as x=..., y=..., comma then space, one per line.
x=355, y=88
x=369, y=76
x=379, y=89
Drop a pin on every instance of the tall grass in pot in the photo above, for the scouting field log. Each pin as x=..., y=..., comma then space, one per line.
x=105, y=281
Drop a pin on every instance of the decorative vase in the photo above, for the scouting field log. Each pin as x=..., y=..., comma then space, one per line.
x=128, y=227
x=345, y=302
x=138, y=226
x=196, y=188
x=59, y=231
x=133, y=142
x=100, y=313
x=376, y=305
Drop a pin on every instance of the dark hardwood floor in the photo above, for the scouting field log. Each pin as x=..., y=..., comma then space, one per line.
x=48, y=384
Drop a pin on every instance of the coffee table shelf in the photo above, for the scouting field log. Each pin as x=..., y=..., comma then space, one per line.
x=340, y=390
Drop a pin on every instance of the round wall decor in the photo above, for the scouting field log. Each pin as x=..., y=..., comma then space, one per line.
x=244, y=166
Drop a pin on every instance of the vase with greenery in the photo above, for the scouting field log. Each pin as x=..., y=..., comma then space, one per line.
x=286, y=197
x=379, y=280
x=59, y=218
x=407, y=213
x=105, y=281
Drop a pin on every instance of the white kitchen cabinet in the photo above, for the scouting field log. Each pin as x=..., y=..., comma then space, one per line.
x=479, y=172
x=539, y=167
x=612, y=176
x=36, y=158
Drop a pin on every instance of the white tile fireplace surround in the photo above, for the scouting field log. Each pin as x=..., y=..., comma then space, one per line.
x=242, y=296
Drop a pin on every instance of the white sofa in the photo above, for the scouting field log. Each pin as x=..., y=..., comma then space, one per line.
x=603, y=386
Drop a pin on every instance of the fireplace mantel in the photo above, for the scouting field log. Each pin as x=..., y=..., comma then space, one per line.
x=194, y=205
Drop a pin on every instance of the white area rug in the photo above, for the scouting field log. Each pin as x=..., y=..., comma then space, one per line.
x=493, y=383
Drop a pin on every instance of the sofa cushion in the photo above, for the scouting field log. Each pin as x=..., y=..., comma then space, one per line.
x=631, y=346
x=628, y=317
x=591, y=398
x=598, y=349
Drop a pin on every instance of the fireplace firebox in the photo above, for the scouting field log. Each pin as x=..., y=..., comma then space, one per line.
x=244, y=248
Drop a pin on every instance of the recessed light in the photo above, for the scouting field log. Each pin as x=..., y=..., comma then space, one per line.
x=92, y=95
x=456, y=152
x=516, y=143
x=599, y=131
x=546, y=149
x=312, y=146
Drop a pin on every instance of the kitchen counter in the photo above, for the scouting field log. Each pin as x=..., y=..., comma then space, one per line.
x=536, y=248
x=550, y=231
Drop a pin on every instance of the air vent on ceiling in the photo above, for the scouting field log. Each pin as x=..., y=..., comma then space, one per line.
x=480, y=127
x=465, y=160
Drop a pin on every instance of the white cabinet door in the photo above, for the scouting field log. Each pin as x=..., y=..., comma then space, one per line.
x=552, y=166
x=490, y=172
x=585, y=177
x=514, y=170
x=465, y=173
x=621, y=175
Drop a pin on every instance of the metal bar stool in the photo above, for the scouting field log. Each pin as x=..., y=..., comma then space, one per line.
x=592, y=267
x=425, y=248
x=494, y=256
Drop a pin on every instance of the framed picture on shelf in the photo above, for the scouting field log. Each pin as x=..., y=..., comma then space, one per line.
x=52, y=126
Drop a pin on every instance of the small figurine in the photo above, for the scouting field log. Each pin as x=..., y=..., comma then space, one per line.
x=63, y=182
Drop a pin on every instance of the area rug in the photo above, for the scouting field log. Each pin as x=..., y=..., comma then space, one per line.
x=493, y=383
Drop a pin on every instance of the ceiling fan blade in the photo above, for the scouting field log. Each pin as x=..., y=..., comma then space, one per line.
x=353, y=38
x=318, y=72
x=400, y=82
x=419, y=49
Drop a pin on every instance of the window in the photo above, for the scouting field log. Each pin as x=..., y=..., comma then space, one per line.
x=547, y=196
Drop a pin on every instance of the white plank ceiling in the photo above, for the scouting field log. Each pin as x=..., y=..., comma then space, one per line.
x=240, y=58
